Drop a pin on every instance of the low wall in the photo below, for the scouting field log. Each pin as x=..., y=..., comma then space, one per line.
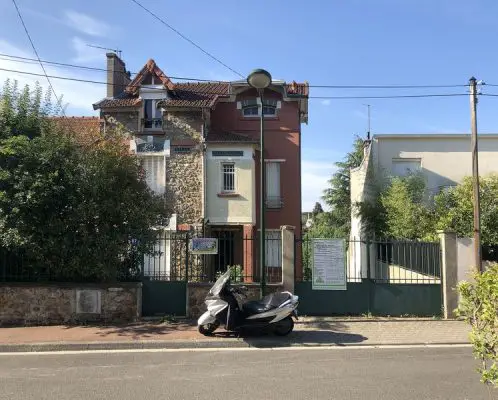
x=197, y=293
x=43, y=304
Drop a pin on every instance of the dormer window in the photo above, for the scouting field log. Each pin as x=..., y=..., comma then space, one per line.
x=152, y=115
x=251, y=107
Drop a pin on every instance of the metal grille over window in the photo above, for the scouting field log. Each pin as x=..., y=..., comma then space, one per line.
x=273, y=197
x=228, y=178
x=251, y=107
x=155, y=174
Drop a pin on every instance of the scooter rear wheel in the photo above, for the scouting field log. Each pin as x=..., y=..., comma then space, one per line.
x=208, y=329
x=284, y=327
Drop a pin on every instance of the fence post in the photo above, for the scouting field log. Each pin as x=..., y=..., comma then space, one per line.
x=449, y=272
x=186, y=256
x=369, y=277
x=288, y=257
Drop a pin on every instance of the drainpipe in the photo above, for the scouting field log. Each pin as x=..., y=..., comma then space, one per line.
x=204, y=177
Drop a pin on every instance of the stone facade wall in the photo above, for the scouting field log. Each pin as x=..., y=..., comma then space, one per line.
x=37, y=304
x=128, y=119
x=197, y=295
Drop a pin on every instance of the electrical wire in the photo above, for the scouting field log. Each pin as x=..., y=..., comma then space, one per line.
x=186, y=38
x=27, y=60
x=218, y=93
x=37, y=56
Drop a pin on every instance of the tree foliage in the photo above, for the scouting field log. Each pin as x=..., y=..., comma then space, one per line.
x=337, y=222
x=479, y=307
x=317, y=209
x=74, y=209
x=454, y=209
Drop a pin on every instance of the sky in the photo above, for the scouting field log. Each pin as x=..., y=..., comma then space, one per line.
x=333, y=42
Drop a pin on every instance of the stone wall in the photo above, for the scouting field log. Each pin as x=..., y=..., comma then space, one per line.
x=127, y=118
x=197, y=293
x=38, y=304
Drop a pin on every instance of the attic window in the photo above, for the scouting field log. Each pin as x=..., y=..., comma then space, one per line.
x=250, y=107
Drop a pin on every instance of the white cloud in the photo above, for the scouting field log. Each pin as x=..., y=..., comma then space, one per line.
x=87, y=24
x=84, y=53
x=78, y=95
x=326, y=102
x=314, y=177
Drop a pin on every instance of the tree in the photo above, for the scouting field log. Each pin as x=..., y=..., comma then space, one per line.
x=454, y=209
x=479, y=307
x=317, y=209
x=406, y=209
x=338, y=195
x=71, y=208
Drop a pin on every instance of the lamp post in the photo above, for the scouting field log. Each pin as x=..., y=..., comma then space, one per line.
x=260, y=79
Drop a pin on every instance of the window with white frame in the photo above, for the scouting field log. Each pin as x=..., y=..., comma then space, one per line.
x=228, y=177
x=404, y=167
x=152, y=115
x=250, y=107
x=155, y=172
x=273, y=249
x=273, y=196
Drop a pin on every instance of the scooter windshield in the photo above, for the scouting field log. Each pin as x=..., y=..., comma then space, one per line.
x=220, y=284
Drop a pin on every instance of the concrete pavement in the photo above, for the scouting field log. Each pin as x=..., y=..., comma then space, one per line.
x=309, y=332
x=340, y=373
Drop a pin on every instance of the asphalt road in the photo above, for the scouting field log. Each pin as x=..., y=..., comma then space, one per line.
x=387, y=374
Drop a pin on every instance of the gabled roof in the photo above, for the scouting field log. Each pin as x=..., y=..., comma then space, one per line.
x=149, y=68
x=203, y=94
x=123, y=100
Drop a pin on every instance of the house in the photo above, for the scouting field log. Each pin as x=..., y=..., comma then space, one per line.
x=199, y=144
x=442, y=159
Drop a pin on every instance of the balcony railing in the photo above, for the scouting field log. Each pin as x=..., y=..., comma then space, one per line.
x=152, y=123
x=274, y=202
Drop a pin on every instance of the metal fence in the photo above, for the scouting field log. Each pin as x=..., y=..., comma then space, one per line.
x=172, y=258
x=169, y=259
x=383, y=261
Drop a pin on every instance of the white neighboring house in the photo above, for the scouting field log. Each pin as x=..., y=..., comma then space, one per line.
x=443, y=159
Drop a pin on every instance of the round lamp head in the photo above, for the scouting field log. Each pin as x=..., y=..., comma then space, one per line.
x=259, y=79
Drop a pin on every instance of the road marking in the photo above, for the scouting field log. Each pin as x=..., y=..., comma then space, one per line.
x=238, y=349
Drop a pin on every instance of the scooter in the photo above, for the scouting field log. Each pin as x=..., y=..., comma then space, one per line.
x=226, y=306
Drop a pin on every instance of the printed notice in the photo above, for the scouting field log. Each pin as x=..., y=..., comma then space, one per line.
x=329, y=264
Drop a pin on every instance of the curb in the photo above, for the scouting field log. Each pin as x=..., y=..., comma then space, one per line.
x=194, y=345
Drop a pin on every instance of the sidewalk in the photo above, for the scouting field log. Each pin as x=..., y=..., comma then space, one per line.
x=183, y=334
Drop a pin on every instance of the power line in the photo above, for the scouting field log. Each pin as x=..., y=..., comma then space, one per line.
x=28, y=60
x=218, y=93
x=186, y=38
x=38, y=57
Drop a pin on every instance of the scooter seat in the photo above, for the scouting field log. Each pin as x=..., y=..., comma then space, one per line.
x=255, y=307
x=267, y=303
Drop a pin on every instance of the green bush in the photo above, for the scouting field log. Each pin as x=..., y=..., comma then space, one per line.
x=479, y=307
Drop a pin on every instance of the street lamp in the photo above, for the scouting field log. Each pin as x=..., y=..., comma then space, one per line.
x=260, y=79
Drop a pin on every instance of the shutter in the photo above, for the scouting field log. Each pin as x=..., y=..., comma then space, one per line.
x=155, y=174
x=272, y=183
x=273, y=249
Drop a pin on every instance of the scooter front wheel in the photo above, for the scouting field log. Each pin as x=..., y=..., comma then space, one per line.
x=284, y=327
x=208, y=329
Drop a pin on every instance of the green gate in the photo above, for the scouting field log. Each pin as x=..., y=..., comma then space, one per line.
x=388, y=278
x=165, y=276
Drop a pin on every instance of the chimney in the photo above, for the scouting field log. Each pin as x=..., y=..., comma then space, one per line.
x=117, y=76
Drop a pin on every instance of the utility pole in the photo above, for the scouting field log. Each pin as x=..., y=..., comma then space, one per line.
x=475, y=174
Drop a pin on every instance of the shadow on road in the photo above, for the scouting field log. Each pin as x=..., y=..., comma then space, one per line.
x=326, y=333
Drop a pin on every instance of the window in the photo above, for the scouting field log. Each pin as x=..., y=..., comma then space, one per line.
x=152, y=115
x=273, y=198
x=404, y=167
x=228, y=177
x=250, y=108
x=155, y=173
x=273, y=249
